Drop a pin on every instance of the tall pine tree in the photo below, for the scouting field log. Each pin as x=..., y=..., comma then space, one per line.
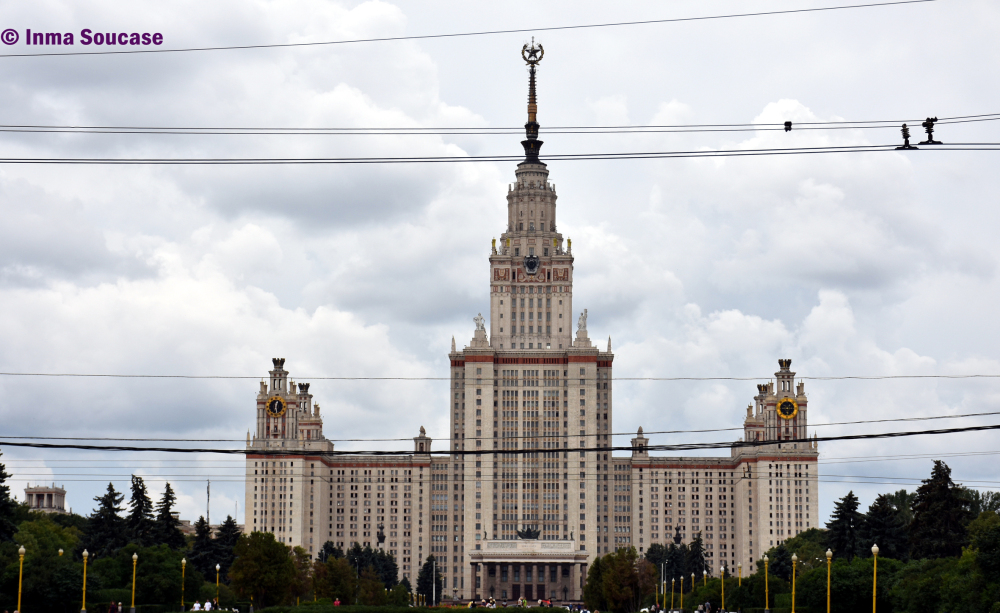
x=695, y=559
x=167, y=529
x=424, y=581
x=225, y=540
x=203, y=550
x=676, y=562
x=844, y=527
x=8, y=508
x=139, y=527
x=940, y=515
x=884, y=526
x=105, y=526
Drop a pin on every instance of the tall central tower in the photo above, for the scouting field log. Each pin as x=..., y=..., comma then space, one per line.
x=531, y=253
x=531, y=395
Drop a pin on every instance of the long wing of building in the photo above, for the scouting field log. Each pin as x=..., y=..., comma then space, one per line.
x=529, y=491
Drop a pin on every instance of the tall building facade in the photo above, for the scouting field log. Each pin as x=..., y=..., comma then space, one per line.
x=527, y=491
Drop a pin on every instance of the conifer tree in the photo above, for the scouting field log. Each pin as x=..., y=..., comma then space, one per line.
x=780, y=564
x=884, y=526
x=139, y=526
x=8, y=508
x=676, y=562
x=105, y=526
x=940, y=515
x=328, y=550
x=844, y=528
x=424, y=579
x=167, y=528
x=225, y=541
x=203, y=550
x=695, y=559
x=593, y=589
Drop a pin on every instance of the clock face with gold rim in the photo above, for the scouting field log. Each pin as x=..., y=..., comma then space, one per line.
x=787, y=408
x=276, y=406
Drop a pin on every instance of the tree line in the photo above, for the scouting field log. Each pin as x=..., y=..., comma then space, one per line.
x=939, y=550
x=252, y=567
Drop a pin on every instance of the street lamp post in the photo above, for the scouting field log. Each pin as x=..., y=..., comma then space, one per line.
x=704, y=578
x=874, y=574
x=20, y=575
x=722, y=578
x=767, y=596
x=672, y=594
x=217, y=587
x=739, y=567
x=795, y=560
x=829, y=557
x=135, y=560
x=83, y=607
x=184, y=564
x=682, y=592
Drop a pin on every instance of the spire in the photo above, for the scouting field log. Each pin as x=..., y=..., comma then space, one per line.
x=532, y=55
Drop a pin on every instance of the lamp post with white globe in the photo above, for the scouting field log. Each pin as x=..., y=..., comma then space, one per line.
x=874, y=574
x=20, y=575
x=795, y=560
x=83, y=607
x=135, y=560
x=722, y=578
x=767, y=595
x=829, y=557
x=217, y=585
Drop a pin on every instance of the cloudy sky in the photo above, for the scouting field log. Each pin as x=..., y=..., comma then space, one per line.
x=849, y=264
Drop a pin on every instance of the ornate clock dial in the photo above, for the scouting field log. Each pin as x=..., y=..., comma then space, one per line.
x=531, y=263
x=787, y=408
x=276, y=406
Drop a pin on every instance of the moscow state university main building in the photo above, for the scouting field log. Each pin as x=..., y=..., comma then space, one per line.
x=526, y=489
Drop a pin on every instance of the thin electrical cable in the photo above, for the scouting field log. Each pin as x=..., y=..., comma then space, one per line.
x=240, y=464
x=455, y=131
x=567, y=436
x=479, y=33
x=349, y=378
x=370, y=440
x=491, y=158
x=283, y=451
x=893, y=123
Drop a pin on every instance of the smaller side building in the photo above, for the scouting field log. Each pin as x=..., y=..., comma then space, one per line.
x=46, y=498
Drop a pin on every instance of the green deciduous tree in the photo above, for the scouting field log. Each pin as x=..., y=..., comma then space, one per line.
x=335, y=579
x=626, y=580
x=167, y=526
x=139, y=526
x=263, y=569
x=940, y=514
x=105, y=526
x=844, y=528
x=371, y=589
x=984, y=539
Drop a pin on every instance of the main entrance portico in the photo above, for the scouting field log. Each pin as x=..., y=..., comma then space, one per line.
x=530, y=569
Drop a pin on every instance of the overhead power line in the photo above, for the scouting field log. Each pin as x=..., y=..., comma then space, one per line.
x=478, y=33
x=284, y=451
x=484, y=131
x=566, y=436
x=568, y=157
x=362, y=378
